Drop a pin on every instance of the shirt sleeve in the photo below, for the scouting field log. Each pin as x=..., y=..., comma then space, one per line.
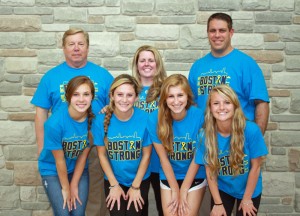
x=52, y=137
x=97, y=130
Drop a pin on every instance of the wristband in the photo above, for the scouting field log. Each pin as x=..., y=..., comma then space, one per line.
x=110, y=187
x=218, y=204
x=135, y=188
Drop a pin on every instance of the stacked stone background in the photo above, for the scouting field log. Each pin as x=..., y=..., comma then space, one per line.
x=30, y=44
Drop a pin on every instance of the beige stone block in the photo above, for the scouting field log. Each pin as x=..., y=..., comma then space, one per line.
x=265, y=56
x=16, y=104
x=29, y=91
x=127, y=36
x=20, y=23
x=271, y=37
x=296, y=20
x=26, y=173
x=28, y=193
x=279, y=93
x=147, y=20
x=166, y=45
x=21, y=116
x=272, y=126
x=17, y=53
x=294, y=159
x=96, y=19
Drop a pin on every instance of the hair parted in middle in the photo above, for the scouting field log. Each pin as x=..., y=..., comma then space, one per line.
x=118, y=81
x=160, y=73
x=72, y=86
x=237, y=132
x=165, y=119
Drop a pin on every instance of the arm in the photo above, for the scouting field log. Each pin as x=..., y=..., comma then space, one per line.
x=213, y=186
x=135, y=194
x=80, y=164
x=187, y=182
x=262, y=114
x=63, y=176
x=246, y=203
x=116, y=191
x=41, y=115
x=168, y=170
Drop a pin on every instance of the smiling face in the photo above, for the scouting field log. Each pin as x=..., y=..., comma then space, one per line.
x=146, y=65
x=177, y=101
x=123, y=98
x=221, y=108
x=76, y=50
x=80, y=101
x=219, y=36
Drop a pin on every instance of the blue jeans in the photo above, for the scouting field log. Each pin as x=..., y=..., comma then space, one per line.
x=53, y=190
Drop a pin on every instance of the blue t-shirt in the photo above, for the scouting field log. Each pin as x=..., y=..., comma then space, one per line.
x=50, y=93
x=254, y=147
x=142, y=104
x=184, y=143
x=237, y=70
x=61, y=132
x=126, y=140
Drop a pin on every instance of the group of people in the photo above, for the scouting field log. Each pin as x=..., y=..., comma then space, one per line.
x=108, y=139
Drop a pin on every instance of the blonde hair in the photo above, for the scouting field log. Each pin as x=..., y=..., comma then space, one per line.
x=165, y=120
x=159, y=76
x=73, y=31
x=237, y=132
x=118, y=81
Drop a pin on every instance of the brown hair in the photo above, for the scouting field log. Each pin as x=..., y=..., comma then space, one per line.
x=220, y=16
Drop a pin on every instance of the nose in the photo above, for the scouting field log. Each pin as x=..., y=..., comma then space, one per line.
x=221, y=106
x=176, y=100
x=76, y=47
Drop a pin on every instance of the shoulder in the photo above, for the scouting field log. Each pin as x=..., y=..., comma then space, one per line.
x=140, y=113
x=56, y=119
x=54, y=71
x=242, y=55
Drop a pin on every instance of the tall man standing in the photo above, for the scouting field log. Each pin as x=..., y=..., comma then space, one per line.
x=227, y=65
x=50, y=96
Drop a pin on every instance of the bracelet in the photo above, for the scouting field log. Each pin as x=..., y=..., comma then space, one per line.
x=110, y=187
x=218, y=204
x=135, y=188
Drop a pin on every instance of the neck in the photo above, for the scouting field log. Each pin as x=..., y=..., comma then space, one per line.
x=124, y=116
x=224, y=128
x=79, y=117
x=221, y=53
x=76, y=64
x=178, y=116
x=147, y=81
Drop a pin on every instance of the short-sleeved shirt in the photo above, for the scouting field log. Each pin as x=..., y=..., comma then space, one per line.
x=254, y=147
x=61, y=132
x=126, y=140
x=237, y=70
x=184, y=143
x=50, y=93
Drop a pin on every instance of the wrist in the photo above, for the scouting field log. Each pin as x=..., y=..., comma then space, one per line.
x=113, y=186
x=246, y=202
x=134, y=188
x=218, y=204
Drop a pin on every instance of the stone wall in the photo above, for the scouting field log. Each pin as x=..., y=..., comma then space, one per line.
x=30, y=44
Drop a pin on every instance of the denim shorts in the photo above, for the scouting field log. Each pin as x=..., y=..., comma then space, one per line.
x=53, y=190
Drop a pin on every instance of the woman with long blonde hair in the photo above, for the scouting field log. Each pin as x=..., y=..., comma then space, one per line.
x=124, y=149
x=232, y=150
x=173, y=129
x=149, y=70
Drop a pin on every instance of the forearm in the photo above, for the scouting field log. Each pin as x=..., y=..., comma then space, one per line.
x=190, y=176
x=40, y=117
x=142, y=167
x=252, y=179
x=213, y=186
x=80, y=165
x=104, y=162
x=262, y=115
x=62, y=174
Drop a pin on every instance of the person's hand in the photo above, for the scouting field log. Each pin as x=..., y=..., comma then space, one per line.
x=174, y=203
x=103, y=110
x=218, y=210
x=184, y=207
x=114, y=195
x=134, y=196
x=67, y=199
x=248, y=208
x=74, y=195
